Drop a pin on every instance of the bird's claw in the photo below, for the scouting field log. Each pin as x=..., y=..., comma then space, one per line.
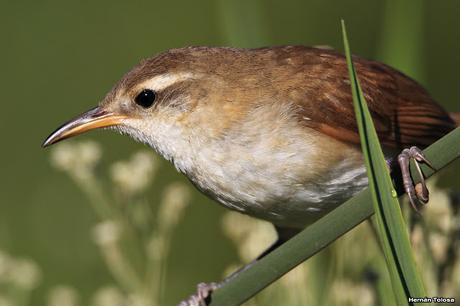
x=203, y=292
x=418, y=193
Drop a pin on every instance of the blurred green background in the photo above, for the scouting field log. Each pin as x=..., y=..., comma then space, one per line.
x=59, y=58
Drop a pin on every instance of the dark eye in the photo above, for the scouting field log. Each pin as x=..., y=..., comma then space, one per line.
x=145, y=98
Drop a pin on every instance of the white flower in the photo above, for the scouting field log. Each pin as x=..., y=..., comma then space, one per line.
x=78, y=159
x=107, y=233
x=236, y=226
x=251, y=236
x=135, y=175
x=63, y=296
x=63, y=156
x=175, y=199
x=109, y=296
x=136, y=300
x=89, y=153
x=24, y=273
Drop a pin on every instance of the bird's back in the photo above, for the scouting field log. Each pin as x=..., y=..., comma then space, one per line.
x=316, y=82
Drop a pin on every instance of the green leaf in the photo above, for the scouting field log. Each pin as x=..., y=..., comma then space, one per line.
x=391, y=228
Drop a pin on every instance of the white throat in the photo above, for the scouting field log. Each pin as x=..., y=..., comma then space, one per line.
x=169, y=140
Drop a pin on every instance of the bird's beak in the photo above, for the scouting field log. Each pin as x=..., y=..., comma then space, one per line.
x=93, y=119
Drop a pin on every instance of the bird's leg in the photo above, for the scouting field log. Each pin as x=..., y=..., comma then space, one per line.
x=204, y=290
x=419, y=192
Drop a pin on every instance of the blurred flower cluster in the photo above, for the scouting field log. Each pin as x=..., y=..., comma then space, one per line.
x=133, y=234
x=18, y=277
x=352, y=271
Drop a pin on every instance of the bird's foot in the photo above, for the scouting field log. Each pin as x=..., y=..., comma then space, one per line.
x=418, y=193
x=200, y=298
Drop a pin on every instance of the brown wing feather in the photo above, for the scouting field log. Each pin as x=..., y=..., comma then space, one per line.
x=404, y=113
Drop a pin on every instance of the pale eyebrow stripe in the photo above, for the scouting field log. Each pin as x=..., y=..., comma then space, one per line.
x=163, y=81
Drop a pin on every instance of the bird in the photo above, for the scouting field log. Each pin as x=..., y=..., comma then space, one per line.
x=269, y=132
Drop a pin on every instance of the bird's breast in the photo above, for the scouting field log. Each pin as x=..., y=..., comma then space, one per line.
x=284, y=173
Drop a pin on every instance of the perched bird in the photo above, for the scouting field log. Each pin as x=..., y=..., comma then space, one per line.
x=269, y=132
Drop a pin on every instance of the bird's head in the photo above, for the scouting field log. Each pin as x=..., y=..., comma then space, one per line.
x=161, y=102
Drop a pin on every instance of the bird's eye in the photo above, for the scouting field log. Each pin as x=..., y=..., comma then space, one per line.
x=145, y=98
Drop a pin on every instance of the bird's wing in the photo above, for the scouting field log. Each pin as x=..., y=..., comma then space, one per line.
x=404, y=114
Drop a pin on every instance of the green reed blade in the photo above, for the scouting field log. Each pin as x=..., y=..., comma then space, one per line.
x=391, y=228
